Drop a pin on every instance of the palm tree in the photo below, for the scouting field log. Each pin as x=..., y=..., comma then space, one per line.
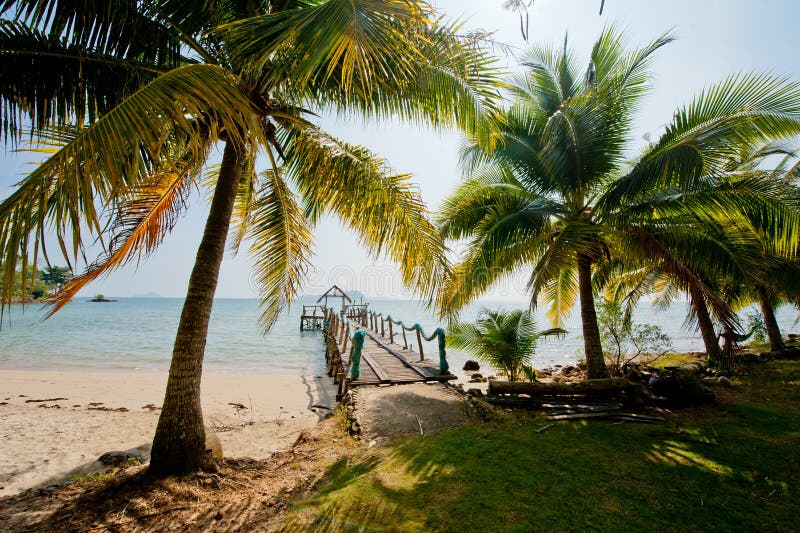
x=744, y=266
x=504, y=340
x=129, y=99
x=557, y=193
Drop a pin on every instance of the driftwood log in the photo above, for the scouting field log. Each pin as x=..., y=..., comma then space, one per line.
x=588, y=387
x=629, y=392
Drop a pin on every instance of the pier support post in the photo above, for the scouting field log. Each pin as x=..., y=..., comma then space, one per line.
x=419, y=342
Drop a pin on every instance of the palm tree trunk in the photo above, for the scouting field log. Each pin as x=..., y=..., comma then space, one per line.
x=706, y=326
x=179, y=443
x=773, y=330
x=595, y=365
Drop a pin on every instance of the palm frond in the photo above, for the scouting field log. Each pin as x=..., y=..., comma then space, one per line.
x=383, y=208
x=505, y=340
x=95, y=169
x=115, y=27
x=562, y=293
x=705, y=135
x=245, y=201
x=384, y=58
x=281, y=245
x=148, y=212
x=46, y=82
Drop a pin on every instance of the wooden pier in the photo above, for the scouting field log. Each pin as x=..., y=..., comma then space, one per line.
x=313, y=316
x=380, y=361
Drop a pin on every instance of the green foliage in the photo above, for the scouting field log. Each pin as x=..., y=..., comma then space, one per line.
x=729, y=468
x=36, y=284
x=504, y=340
x=56, y=276
x=755, y=323
x=558, y=194
x=128, y=122
x=625, y=341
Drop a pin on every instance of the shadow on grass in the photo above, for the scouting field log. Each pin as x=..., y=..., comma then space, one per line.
x=734, y=467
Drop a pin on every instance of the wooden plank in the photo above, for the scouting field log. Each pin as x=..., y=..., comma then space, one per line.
x=581, y=416
x=399, y=357
x=375, y=367
x=583, y=409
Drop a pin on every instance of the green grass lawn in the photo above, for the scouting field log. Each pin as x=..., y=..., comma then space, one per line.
x=730, y=467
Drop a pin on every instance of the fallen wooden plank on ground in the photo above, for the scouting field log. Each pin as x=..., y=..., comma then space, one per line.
x=613, y=385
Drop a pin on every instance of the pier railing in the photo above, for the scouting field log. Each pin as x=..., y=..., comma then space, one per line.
x=377, y=320
x=342, y=334
x=337, y=330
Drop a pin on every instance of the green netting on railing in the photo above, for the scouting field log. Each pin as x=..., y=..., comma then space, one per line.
x=439, y=333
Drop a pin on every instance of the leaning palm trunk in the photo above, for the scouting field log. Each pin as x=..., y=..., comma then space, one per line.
x=179, y=443
x=595, y=365
x=773, y=330
x=706, y=325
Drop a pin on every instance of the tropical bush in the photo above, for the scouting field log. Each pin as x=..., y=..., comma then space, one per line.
x=755, y=324
x=625, y=341
x=504, y=340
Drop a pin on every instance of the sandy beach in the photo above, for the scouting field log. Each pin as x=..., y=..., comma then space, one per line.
x=89, y=413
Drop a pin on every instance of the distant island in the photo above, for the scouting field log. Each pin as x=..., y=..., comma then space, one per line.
x=101, y=298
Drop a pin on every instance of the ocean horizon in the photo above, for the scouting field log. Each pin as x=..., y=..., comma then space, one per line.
x=136, y=334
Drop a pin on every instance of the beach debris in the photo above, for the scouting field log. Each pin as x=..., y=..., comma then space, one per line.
x=3, y=403
x=318, y=406
x=120, y=458
x=54, y=406
x=43, y=401
x=98, y=407
x=94, y=404
x=151, y=407
x=22, y=396
x=238, y=406
x=304, y=436
x=76, y=405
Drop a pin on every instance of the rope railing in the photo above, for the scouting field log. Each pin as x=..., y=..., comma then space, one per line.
x=378, y=318
x=339, y=331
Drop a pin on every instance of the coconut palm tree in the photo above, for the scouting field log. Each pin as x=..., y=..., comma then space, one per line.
x=505, y=340
x=744, y=266
x=558, y=193
x=130, y=99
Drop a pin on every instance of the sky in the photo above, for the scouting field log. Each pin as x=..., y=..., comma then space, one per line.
x=715, y=38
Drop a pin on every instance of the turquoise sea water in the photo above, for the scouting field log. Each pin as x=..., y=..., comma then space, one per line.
x=137, y=334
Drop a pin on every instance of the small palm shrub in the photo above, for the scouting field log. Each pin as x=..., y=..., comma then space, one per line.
x=504, y=340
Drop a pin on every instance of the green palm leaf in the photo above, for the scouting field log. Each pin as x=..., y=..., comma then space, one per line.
x=383, y=208
x=281, y=244
x=97, y=167
x=505, y=340
x=72, y=85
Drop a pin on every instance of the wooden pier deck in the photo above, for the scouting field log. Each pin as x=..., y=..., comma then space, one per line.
x=382, y=362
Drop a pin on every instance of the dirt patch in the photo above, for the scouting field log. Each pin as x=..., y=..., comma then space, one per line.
x=416, y=408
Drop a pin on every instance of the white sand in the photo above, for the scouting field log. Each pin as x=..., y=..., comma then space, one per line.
x=43, y=446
